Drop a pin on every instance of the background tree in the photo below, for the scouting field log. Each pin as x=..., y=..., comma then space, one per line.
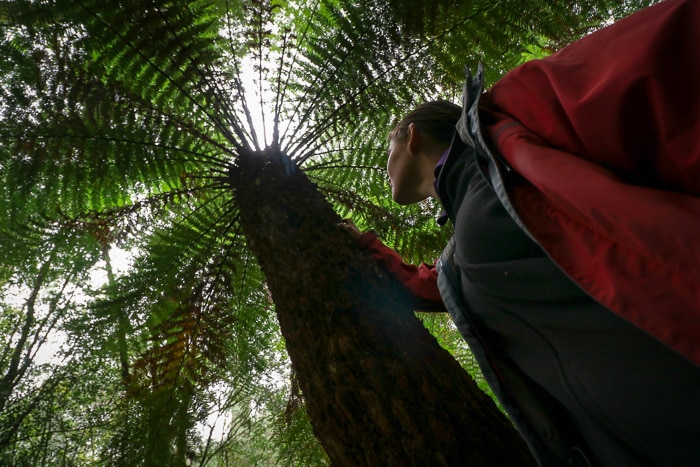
x=148, y=127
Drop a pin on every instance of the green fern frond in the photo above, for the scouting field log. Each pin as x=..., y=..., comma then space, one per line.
x=120, y=122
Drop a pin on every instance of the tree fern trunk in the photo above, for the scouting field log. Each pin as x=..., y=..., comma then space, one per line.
x=379, y=389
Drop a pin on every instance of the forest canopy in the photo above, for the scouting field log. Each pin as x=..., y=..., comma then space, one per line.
x=137, y=325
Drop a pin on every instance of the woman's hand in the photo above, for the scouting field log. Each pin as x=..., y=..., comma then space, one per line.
x=349, y=226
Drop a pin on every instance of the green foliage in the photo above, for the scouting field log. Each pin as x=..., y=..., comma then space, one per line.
x=119, y=122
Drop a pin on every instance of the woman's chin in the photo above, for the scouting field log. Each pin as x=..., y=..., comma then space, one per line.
x=404, y=199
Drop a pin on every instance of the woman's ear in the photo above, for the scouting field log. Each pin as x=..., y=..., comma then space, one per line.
x=414, y=139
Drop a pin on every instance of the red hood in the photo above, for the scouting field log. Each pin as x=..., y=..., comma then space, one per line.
x=607, y=133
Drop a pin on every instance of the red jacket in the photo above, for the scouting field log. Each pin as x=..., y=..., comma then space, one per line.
x=607, y=134
x=421, y=281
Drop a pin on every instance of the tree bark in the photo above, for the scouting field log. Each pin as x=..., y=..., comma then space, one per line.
x=379, y=389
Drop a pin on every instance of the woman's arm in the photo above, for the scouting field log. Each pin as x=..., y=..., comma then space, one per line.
x=420, y=281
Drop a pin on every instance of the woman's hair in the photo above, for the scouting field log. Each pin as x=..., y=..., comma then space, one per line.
x=437, y=119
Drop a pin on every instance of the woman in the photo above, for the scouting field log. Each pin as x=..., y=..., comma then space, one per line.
x=574, y=270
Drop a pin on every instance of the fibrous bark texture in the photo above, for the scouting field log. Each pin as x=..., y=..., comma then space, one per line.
x=378, y=388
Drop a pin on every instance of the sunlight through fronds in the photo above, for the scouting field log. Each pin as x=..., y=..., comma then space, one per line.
x=122, y=123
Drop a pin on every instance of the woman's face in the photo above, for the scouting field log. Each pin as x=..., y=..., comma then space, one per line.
x=405, y=173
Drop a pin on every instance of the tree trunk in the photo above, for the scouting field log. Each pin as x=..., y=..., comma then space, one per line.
x=379, y=389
